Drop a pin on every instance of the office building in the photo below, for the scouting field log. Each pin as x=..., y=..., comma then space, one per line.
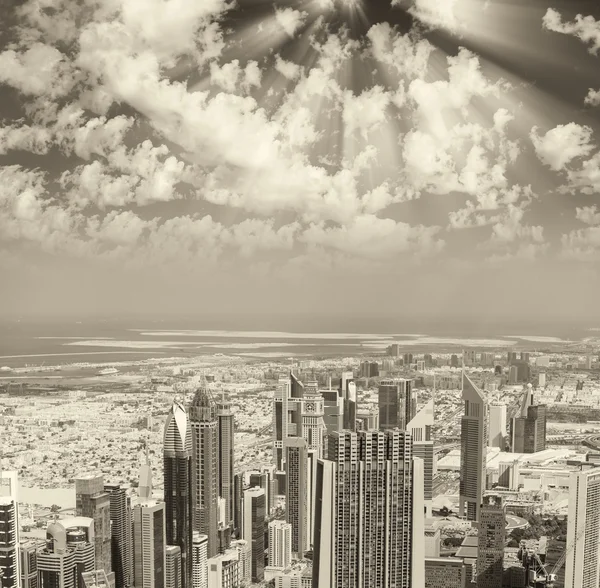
x=280, y=544
x=369, y=515
x=199, y=560
x=253, y=529
x=223, y=570
x=179, y=485
x=302, y=413
x=205, y=443
x=28, y=562
x=149, y=544
x=367, y=420
x=333, y=413
x=582, y=565
x=397, y=403
x=445, y=572
x=529, y=426
x=469, y=357
x=491, y=537
x=56, y=563
x=238, y=490
x=93, y=501
x=497, y=427
x=266, y=481
x=121, y=535
x=513, y=375
x=244, y=561
x=297, y=494
x=473, y=455
x=541, y=380
x=420, y=428
x=508, y=475
x=226, y=429
x=9, y=529
x=172, y=566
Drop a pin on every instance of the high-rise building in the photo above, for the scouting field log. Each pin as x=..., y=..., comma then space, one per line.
x=205, y=435
x=582, y=566
x=253, y=529
x=529, y=426
x=223, y=570
x=149, y=544
x=244, y=561
x=28, y=563
x=121, y=535
x=178, y=486
x=226, y=428
x=80, y=537
x=454, y=362
x=199, y=560
x=93, y=501
x=508, y=475
x=238, y=490
x=9, y=530
x=397, y=403
x=497, y=428
x=280, y=544
x=56, y=563
x=369, y=529
x=296, y=494
x=173, y=566
x=491, y=537
x=420, y=428
x=473, y=454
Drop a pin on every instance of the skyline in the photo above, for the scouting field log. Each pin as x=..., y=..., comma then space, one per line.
x=293, y=159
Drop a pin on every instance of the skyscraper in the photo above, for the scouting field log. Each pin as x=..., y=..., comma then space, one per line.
x=28, y=563
x=397, y=403
x=9, y=530
x=420, y=429
x=473, y=453
x=226, y=428
x=491, y=536
x=149, y=544
x=368, y=521
x=296, y=494
x=173, y=566
x=199, y=560
x=205, y=434
x=582, y=566
x=280, y=544
x=93, y=501
x=529, y=426
x=497, y=428
x=254, y=529
x=121, y=535
x=238, y=490
x=178, y=488
x=56, y=563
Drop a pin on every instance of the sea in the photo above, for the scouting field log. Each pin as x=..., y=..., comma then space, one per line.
x=65, y=341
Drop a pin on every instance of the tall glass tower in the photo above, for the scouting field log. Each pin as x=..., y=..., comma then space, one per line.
x=178, y=489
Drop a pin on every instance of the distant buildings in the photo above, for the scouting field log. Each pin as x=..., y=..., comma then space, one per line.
x=178, y=485
x=369, y=515
x=473, y=438
x=420, y=428
x=582, y=565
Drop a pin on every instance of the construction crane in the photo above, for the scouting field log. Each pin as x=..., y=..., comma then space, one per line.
x=539, y=576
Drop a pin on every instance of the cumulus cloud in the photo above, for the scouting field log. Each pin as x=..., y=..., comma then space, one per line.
x=593, y=97
x=562, y=144
x=290, y=20
x=585, y=28
x=433, y=13
x=590, y=215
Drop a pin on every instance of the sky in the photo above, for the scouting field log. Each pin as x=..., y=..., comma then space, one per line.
x=403, y=158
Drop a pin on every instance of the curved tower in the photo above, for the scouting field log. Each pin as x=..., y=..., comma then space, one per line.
x=177, y=452
x=205, y=435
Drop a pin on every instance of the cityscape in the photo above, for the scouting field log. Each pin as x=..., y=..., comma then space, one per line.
x=468, y=468
x=299, y=294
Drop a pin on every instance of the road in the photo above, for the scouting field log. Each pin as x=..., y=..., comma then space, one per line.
x=514, y=522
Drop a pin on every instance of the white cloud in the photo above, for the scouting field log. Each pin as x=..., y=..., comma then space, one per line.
x=585, y=28
x=40, y=70
x=562, y=144
x=590, y=215
x=366, y=111
x=287, y=69
x=434, y=13
x=290, y=20
x=593, y=97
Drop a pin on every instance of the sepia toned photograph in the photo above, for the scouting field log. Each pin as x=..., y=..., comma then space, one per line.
x=299, y=293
